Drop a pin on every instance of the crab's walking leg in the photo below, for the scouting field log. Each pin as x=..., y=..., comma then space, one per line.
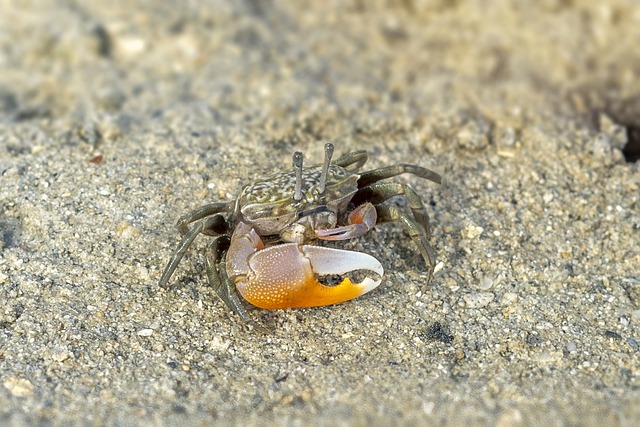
x=219, y=281
x=185, y=243
x=353, y=160
x=361, y=220
x=380, y=192
x=209, y=221
x=375, y=175
x=388, y=213
x=200, y=213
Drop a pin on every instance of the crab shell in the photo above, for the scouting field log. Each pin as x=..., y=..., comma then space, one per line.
x=270, y=208
x=286, y=275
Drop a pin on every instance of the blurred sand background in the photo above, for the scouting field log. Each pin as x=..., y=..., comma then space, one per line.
x=118, y=117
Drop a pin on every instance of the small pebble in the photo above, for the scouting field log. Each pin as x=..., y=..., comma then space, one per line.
x=471, y=231
x=486, y=283
x=18, y=387
x=60, y=354
x=617, y=133
x=478, y=299
x=128, y=231
x=427, y=407
x=547, y=198
x=509, y=298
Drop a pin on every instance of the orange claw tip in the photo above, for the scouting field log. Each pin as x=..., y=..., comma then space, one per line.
x=286, y=276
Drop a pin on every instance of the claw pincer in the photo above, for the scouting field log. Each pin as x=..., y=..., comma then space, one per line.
x=289, y=275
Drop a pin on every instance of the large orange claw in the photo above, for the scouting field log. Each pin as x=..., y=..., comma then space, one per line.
x=286, y=276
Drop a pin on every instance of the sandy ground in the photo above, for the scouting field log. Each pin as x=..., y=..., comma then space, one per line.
x=117, y=119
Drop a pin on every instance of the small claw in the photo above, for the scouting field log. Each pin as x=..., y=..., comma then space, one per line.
x=361, y=220
x=286, y=276
x=342, y=233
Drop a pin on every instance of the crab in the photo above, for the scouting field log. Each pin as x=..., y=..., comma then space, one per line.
x=262, y=247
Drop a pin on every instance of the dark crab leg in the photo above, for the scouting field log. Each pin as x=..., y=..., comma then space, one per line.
x=361, y=220
x=388, y=213
x=189, y=236
x=375, y=175
x=380, y=192
x=220, y=282
x=356, y=159
x=200, y=213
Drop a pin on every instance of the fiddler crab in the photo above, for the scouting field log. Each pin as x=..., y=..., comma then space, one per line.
x=261, y=240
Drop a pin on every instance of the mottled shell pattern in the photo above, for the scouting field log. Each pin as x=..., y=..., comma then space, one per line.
x=270, y=207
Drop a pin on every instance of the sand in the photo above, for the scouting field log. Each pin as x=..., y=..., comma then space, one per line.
x=116, y=119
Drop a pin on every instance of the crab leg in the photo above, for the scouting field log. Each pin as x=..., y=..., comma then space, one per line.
x=186, y=242
x=287, y=275
x=361, y=220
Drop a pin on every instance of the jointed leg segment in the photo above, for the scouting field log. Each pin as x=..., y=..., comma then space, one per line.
x=200, y=213
x=380, y=192
x=375, y=175
x=415, y=224
x=387, y=213
x=208, y=220
x=219, y=281
x=353, y=160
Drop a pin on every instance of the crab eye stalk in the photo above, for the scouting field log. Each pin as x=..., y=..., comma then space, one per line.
x=328, y=153
x=297, y=167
